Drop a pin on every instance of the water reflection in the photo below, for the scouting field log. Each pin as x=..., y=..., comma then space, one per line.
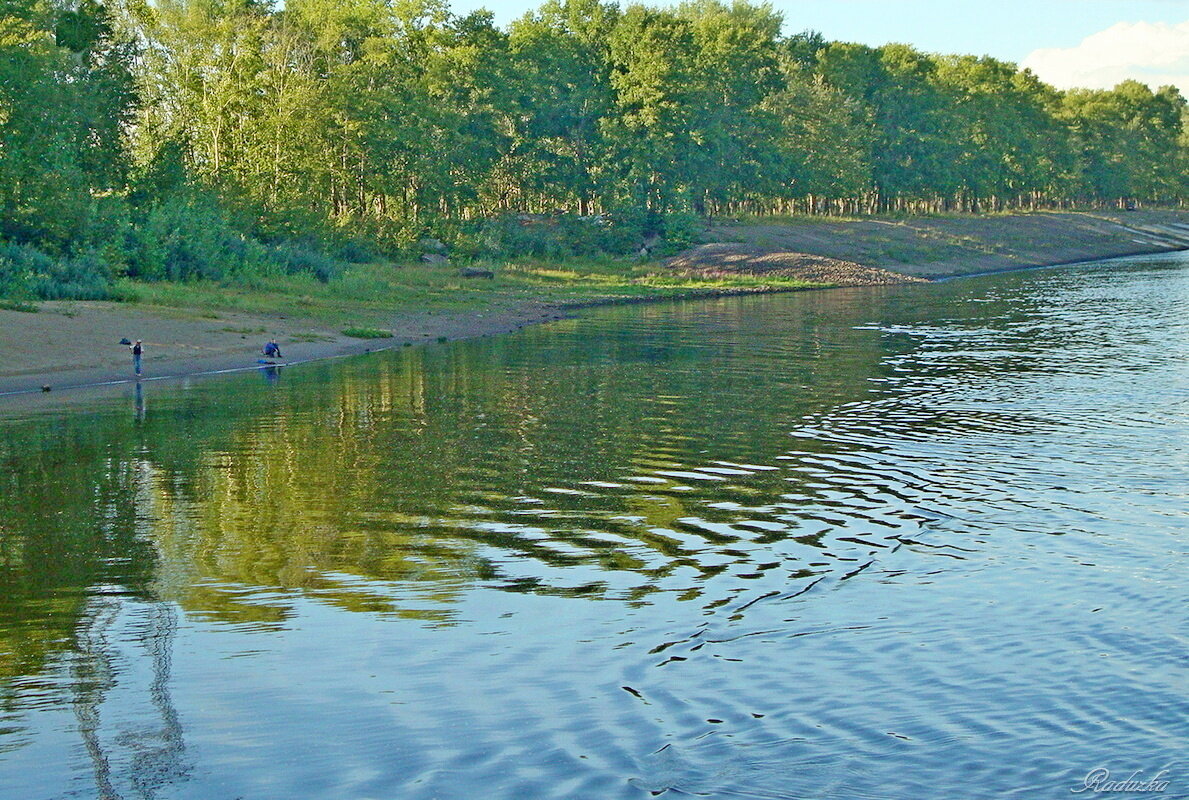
x=140, y=405
x=508, y=465
x=736, y=483
x=153, y=749
x=271, y=373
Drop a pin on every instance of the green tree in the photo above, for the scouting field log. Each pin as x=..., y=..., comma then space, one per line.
x=560, y=78
x=1006, y=143
x=1126, y=139
x=653, y=128
x=66, y=97
x=736, y=63
x=824, y=141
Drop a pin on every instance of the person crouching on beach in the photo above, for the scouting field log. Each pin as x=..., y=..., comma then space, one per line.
x=137, y=349
x=272, y=349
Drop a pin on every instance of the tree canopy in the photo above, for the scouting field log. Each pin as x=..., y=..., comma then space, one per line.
x=186, y=138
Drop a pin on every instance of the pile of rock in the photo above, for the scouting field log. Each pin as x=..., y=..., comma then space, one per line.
x=433, y=251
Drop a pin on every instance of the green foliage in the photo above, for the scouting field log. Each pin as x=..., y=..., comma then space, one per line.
x=1128, y=141
x=66, y=98
x=186, y=237
x=355, y=251
x=26, y=272
x=296, y=257
x=82, y=277
x=19, y=264
x=550, y=236
x=190, y=140
x=680, y=230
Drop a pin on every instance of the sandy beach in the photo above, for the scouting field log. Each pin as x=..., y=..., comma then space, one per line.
x=72, y=345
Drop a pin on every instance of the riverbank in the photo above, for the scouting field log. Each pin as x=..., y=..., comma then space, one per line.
x=196, y=329
x=935, y=247
x=74, y=345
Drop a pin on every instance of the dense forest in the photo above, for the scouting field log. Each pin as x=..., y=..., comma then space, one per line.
x=182, y=139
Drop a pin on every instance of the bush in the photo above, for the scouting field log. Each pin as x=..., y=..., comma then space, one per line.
x=19, y=264
x=187, y=237
x=26, y=272
x=84, y=277
x=296, y=257
x=681, y=230
x=105, y=232
x=386, y=237
x=623, y=230
x=549, y=236
x=354, y=251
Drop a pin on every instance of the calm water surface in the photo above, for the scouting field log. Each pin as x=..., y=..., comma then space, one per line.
x=917, y=542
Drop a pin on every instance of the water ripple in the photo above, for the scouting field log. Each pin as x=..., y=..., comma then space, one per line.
x=878, y=543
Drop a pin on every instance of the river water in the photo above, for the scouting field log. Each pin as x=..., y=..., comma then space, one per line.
x=908, y=542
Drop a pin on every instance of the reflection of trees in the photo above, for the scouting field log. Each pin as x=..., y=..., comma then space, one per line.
x=157, y=765
x=67, y=525
x=93, y=677
x=74, y=557
x=156, y=750
x=294, y=500
x=391, y=484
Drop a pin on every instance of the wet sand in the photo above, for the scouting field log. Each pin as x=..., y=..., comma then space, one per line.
x=67, y=346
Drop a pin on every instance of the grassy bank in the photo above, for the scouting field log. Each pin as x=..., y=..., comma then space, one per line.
x=368, y=294
x=920, y=246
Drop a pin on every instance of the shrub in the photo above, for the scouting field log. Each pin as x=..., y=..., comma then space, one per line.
x=303, y=256
x=681, y=230
x=84, y=277
x=19, y=263
x=354, y=251
x=387, y=237
x=105, y=232
x=187, y=237
x=549, y=236
x=621, y=231
x=26, y=272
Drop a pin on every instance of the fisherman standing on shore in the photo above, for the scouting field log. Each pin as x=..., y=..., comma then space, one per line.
x=136, y=348
x=272, y=349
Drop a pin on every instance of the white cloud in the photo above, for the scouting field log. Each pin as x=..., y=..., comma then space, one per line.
x=1155, y=53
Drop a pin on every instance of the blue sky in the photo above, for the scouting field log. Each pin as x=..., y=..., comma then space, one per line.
x=1013, y=30
x=1008, y=29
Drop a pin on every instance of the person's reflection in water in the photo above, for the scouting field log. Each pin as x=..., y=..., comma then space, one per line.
x=140, y=402
x=271, y=374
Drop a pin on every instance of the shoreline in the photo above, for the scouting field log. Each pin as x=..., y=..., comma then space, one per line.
x=1056, y=264
x=952, y=246
x=83, y=381
x=167, y=360
x=416, y=331
x=47, y=348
